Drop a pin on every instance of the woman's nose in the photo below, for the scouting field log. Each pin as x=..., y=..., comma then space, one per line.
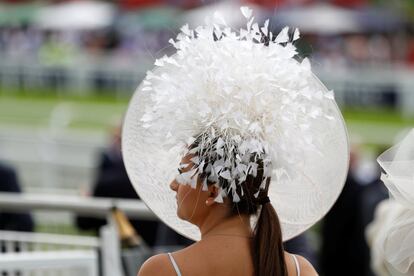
x=174, y=185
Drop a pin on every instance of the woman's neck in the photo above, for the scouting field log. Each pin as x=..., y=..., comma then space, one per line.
x=222, y=225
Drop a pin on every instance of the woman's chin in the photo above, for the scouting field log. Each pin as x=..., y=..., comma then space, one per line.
x=180, y=215
x=183, y=216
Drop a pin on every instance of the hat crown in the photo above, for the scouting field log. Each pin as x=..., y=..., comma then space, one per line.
x=228, y=84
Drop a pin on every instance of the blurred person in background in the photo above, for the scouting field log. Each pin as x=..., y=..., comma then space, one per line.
x=410, y=49
x=13, y=221
x=112, y=181
x=343, y=250
x=343, y=232
x=372, y=194
x=357, y=50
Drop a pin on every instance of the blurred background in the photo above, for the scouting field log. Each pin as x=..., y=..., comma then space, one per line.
x=68, y=70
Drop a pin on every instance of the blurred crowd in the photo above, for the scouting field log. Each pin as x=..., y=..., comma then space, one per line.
x=359, y=50
x=386, y=38
x=60, y=47
x=66, y=47
x=114, y=56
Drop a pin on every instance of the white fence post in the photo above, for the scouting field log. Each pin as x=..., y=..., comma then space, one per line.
x=111, y=249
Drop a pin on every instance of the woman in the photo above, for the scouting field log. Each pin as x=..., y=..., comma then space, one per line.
x=227, y=235
x=251, y=129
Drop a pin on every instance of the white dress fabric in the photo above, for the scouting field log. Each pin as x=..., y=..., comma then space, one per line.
x=391, y=234
x=174, y=264
x=296, y=264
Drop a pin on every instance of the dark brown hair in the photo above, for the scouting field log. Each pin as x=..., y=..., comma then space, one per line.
x=267, y=244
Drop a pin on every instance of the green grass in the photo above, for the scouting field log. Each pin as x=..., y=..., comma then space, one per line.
x=377, y=116
x=74, y=112
x=376, y=128
x=53, y=95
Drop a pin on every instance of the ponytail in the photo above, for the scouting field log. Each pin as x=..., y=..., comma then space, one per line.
x=268, y=252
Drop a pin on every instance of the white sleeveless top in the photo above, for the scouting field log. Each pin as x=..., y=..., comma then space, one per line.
x=296, y=264
x=177, y=269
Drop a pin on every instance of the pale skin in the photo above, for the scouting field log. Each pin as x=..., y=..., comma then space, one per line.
x=224, y=248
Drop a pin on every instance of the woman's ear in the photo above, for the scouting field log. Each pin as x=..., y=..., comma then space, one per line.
x=213, y=192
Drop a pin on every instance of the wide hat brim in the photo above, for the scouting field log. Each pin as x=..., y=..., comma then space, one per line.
x=299, y=202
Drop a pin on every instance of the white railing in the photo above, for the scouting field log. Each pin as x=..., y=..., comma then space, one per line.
x=86, y=74
x=97, y=207
x=32, y=241
x=72, y=262
x=69, y=254
x=365, y=84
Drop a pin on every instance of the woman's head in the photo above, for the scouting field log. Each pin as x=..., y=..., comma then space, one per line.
x=215, y=171
x=203, y=187
x=197, y=202
x=190, y=198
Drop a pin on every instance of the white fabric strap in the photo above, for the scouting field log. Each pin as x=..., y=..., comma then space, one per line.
x=177, y=270
x=296, y=264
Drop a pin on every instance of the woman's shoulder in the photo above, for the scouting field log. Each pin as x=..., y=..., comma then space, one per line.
x=157, y=265
x=161, y=264
x=306, y=268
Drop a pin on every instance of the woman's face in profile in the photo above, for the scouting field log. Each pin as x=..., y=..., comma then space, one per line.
x=190, y=202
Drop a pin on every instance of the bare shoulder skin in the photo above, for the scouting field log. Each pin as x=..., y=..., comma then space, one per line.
x=157, y=265
x=306, y=268
x=220, y=255
x=194, y=260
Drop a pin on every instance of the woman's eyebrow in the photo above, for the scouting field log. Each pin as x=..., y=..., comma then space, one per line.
x=184, y=167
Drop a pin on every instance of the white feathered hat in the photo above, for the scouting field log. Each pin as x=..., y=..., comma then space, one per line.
x=246, y=92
